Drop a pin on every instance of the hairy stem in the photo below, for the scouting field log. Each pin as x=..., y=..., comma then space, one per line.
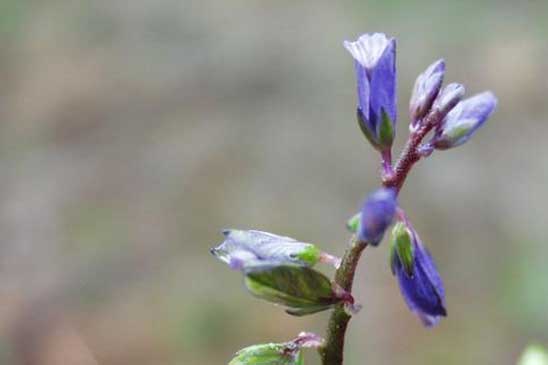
x=410, y=153
x=332, y=351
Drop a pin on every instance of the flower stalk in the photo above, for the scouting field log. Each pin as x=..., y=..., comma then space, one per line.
x=333, y=350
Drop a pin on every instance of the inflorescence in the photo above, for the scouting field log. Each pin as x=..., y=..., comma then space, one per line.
x=281, y=269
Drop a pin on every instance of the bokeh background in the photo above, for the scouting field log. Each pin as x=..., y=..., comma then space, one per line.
x=132, y=132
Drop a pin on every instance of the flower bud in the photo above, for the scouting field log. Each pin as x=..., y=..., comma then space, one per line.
x=464, y=120
x=242, y=249
x=420, y=284
x=427, y=87
x=375, y=65
x=376, y=215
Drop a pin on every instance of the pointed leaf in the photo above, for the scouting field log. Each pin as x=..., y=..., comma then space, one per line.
x=300, y=288
x=267, y=354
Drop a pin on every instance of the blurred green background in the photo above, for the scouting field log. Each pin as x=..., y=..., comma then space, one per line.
x=132, y=132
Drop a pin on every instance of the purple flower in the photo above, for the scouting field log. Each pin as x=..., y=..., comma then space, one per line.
x=427, y=87
x=420, y=284
x=464, y=120
x=376, y=215
x=375, y=64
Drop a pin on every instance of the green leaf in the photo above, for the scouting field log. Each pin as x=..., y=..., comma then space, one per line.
x=300, y=312
x=268, y=354
x=353, y=224
x=300, y=288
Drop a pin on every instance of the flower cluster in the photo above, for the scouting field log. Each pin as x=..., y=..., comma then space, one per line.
x=282, y=270
x=431, y=108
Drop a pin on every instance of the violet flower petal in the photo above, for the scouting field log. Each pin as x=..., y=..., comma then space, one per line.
x=376, y=215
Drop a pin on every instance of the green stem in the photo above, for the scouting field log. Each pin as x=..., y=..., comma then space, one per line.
x=332, y=351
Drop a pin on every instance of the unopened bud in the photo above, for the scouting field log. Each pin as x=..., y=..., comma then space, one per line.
x=464, y=120
x=427, y=87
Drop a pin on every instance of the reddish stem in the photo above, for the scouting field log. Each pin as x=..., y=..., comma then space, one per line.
x=386, y=160
x=410, y=153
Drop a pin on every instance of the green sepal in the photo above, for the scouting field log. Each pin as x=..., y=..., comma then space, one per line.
x=353, y=224
x=402, y=246
x=300, y=358
x=365, y=130
x=310, y=255
x=385, y=131
x=454, y=136
x=301, y=289
x=268, y=354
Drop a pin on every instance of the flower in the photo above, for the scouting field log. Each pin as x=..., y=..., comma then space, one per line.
x=460, y=124
x=420, y=284
x=375, y=65
x=376, y=215
x=427, y=87
x=243, y=249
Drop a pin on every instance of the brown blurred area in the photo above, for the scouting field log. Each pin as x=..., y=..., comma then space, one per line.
x=132, y=132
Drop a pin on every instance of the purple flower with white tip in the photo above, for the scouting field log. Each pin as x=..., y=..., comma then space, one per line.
x=375, y=65
x=460, y=124
x=376, y=215
x=427, y=87
x=420, y=283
